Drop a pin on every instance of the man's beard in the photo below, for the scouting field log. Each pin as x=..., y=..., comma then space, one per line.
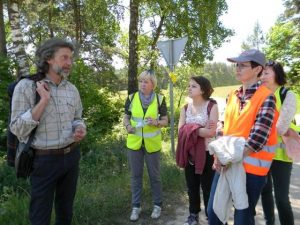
x=61, y=72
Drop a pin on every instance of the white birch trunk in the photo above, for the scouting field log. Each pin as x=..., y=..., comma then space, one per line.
x=17, y=38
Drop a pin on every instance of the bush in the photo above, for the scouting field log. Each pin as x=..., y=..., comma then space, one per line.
x=5, y=78
x=14, y=196
x=101, y=107
x=13, y=207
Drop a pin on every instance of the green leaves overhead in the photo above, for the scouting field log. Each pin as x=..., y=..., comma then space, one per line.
x=199, y=20
x=283, y=42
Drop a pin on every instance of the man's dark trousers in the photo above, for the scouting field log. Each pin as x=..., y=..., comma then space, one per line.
x=54, y=177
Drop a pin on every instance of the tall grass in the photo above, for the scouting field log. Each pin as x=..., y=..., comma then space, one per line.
x=103, y=192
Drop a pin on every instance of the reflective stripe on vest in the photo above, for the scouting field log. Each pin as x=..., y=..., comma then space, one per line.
x=139, y=130
x=149, y=135
x=260, y=161
x=239, y=123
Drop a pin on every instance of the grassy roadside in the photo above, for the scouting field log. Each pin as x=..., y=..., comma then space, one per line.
x=103, y=192
x=104, y=197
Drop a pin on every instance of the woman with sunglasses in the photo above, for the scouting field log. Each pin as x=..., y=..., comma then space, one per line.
x=279, y=175
x=145, y=114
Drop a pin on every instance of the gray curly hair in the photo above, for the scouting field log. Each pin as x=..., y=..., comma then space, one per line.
x=47, y=50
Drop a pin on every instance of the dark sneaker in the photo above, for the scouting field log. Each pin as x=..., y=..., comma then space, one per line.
x=192, y=220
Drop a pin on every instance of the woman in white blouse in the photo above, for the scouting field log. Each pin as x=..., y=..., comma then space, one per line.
x=279, y=176
x=203, y=112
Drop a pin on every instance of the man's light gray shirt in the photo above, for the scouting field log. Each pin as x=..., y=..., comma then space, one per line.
x=56, y=125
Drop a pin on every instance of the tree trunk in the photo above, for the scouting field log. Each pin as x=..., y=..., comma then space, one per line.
x=77, y=20
x=155, y=39
x=17, y=38
x=50, y=16
x=3, y=49
x=133, y=47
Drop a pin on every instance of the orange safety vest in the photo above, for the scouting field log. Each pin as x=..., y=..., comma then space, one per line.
x=239, y=123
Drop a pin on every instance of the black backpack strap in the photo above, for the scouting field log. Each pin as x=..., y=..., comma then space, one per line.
x=282, y=93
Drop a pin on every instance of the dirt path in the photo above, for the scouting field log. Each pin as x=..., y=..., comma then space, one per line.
x=176, y=214
x=182, y=211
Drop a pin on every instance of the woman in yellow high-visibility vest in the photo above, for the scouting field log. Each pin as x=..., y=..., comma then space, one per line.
x=145, y=114
x=274, y=78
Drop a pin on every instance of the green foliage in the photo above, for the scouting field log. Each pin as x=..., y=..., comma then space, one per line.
x=101, y=108
x=13, y=196
x=283, y=45
x=8, y=178
x=6, y=67
x=103, y=192
x=104, y=182
x=13, y=207
x=219, y=74
x=198, y=20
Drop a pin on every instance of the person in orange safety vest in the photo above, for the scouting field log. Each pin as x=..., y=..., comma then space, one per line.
x=250, y=113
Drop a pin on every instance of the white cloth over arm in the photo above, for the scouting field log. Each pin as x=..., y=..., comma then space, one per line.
x=231, y=187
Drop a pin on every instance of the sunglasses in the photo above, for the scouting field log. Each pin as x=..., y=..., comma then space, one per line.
x=270, y=63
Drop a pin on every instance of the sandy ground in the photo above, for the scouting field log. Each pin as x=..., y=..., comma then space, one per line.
x=179, y=215
x=182, y=212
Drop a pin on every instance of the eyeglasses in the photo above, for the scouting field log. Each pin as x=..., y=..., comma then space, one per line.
x=241, y=66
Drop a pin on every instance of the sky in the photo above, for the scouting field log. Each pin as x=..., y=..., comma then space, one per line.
x=241, y=17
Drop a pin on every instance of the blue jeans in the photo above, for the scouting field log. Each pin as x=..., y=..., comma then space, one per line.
x=280, y=174
x=254, y=185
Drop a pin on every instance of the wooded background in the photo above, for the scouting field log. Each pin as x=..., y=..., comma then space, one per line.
x=96, y=27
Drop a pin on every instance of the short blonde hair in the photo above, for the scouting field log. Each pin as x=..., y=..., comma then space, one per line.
x=148, y=75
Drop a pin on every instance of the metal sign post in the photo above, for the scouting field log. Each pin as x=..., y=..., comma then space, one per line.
x=171, y=51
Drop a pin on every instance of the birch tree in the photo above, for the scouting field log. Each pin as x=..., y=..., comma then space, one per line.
x=3, y=50
x=18, y=48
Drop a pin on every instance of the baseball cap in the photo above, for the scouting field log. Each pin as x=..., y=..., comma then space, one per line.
x=250, y=55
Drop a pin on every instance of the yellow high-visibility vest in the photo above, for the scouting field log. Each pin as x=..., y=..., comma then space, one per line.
x=150, y=135
x=280, y=153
